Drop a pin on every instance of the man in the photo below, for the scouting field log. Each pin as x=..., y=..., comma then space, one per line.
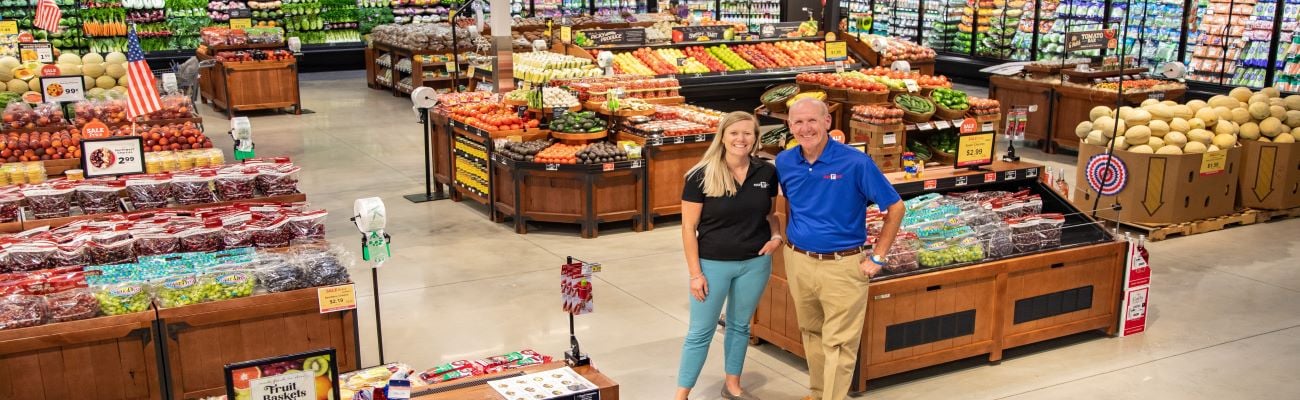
x=828, y=264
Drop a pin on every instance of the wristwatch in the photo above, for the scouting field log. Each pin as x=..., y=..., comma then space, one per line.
x=877, y=259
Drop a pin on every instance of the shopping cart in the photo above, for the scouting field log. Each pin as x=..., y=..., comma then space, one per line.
x=187, y=75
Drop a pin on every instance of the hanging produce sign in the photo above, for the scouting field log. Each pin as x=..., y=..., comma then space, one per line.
x=1091, y=40
x=241, y=23
x=780, y=29
x=303, y=376
x=36, y=51
x=1106, y=174
x=700, y=33
x=566, y=34
x=616, y=37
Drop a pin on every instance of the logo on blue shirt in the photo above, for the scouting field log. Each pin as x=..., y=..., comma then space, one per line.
x=833, y=176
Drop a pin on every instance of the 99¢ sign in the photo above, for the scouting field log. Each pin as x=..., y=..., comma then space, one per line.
x=112, y=156
x=62, y=88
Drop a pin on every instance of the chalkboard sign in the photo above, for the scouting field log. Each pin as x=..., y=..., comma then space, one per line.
x=694, y=33
x=780, y=29
x=1090, y=40
x=615, y=37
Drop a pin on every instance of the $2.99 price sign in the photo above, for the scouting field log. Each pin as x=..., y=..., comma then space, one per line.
x=975, y=149
x=113, y=156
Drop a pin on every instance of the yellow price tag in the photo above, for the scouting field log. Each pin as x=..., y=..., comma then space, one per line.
x=241, y=23
x=337, y=298
x=9, y=27
x=975, y=149
x=1213, y=163
x=451, y=67
x=837, y=51
x=566, y=34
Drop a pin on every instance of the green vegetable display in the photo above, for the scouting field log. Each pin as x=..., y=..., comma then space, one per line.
x=914, y=104
x=780, y=93
x=944, y=141
x=922, y=153
x=950, y=99
x=578, y=122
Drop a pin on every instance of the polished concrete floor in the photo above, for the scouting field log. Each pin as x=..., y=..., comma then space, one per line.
x=1224, y=311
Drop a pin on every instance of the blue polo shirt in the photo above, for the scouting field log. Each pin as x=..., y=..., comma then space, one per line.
x=828, y=198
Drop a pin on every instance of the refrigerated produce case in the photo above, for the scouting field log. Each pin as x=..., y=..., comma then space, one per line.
x=941, y=20
x=1152, y=31
x=616, y=7
x=859, y=15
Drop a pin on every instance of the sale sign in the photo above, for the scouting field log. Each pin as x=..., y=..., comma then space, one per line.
x=113, y=156
x=95, y=129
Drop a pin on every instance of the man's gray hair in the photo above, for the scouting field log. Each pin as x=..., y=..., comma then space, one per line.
x=821, y=105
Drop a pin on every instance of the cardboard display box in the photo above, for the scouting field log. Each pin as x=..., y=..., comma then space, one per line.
x=1270, y=175
x=878, y=136
x=1163, y=189
x=888, y=159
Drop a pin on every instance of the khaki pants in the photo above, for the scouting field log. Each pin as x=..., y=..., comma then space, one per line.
x=830, y=298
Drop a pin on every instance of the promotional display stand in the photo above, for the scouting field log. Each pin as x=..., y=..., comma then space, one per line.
x=931, y=316
x=251, y=85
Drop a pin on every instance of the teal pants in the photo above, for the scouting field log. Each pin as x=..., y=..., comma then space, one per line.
x=738, y=284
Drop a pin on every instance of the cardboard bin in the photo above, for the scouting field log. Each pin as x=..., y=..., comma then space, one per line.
x=1270, y=175
x=1162, y=189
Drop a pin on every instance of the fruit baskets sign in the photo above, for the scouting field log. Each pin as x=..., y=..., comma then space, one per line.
x=112, y=156
x=303, y=376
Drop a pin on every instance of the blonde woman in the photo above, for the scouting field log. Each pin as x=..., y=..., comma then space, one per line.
x=729, y=232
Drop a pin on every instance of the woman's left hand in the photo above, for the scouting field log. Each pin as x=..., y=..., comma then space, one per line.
x=770, y=247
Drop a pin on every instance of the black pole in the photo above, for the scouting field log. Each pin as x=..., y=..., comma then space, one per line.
x=428, y=194
x=1271, y=66
x=1227, y=30
x=379, y=328
x=1142, y=31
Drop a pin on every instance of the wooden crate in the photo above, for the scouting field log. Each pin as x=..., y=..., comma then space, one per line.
x=577, y=194
x=1011, y=92
x=107, y=358
x=199, y=339
x=248, y=86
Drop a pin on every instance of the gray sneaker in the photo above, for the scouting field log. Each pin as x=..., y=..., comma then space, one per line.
x=726, y=394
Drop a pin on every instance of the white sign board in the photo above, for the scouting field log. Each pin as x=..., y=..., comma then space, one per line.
x=297, y=385
x=56, y=89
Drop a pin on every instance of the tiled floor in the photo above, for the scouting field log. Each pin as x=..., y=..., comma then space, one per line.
x=1225, y=306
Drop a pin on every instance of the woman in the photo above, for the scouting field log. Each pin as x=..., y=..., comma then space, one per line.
x=729, y=232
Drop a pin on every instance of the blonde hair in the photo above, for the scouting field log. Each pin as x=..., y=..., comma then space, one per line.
x=717, y=178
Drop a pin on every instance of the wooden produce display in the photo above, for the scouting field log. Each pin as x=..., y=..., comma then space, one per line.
x=252, y=85
x=667, y=160
x=1012, y=91
x=440, y=146
x=871, y=57
x=1073, y=102
x=376, y=70
x=584, y=194
x=931, y=316
x=1270, y=175
x=199, y=339
x=108, y=358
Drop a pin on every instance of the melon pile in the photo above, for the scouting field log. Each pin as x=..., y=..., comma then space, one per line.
x=1166, y=127
x=101, y=73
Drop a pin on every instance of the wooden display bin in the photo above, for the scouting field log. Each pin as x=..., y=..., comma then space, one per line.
x=666, y=164
x=199, y=339
x=871, y=57
x=1270, y=175
x=107, y=358
x=926, y=317
x=1011, y=91
x=586, y=194
x=440, y=146
x=1073, y=103
x=255, y=85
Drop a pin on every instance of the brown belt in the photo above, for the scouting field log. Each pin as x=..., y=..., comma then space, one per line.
x=827, y=256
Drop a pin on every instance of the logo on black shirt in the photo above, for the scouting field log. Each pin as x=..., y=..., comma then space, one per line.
x=761, y=185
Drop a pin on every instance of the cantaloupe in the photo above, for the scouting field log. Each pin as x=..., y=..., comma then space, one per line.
x=1295, y=131
x=1124, y=112
x=1109, y=126
x=1258, y=98
x=1276, y=102
x=1264, y=139
x=1292, y=118
x=1182, y=111
x=1169, y=103
x=115, y=70
x=1248, y=131
x=1258, y=110
x=1240, y=93
x=93, y=70
x=1176, y=138
x=1098, y=112
x=70, y=69
x=1278, y=112
x=105, y=82
x=1270, y=127
x=1224, y=113
x=1095, y=138
x=1137, y=135
x=1119, y=144
x=17, y=86
x=1221, y=101
x=1208, y=116
x=1155, y=142
x=1138, y=117
x=8, y=63
x=1199, y=135
x=1198, y=104
x=1179, y=125
x=1082, y=129
x=123, y=80
x=115, y=58
x=1224, y=141
x=92, y=58
x=1197, y=123
x=1241, y=116
x=23, y=73
x=1195, y=148
x=1170, y=149
x=1225, y=128
x=1144, y=149
x=1161, y=112
x=69, y=58
x=1158, y=128
x=1292, y=101
x=1271, y=92
x=6, y=75
x=90, y=82
x=1149, y=102
x=1284, y=138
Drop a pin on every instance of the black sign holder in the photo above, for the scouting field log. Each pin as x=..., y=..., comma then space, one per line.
x=431, y=192
x=229, y=369
x=574, y=357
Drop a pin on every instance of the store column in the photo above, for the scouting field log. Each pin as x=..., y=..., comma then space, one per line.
x=501, y=44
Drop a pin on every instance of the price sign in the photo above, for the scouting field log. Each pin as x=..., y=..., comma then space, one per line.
x=50, y=70
x=9, y=27
x=311, y=375
x=62, y=88
x=606, y=167
x=113, y=156
x=169, y=84
x=839, y=67
x=941, y=124
x=566, y=34
x=925, y=126
x=337, y=298
x=240, y=23
x=399, y=389
x=1213, y=163
x=614, y=37
x=699, y=33
x=1091, y=40
x=679, y=139
x=95, y=130
x=36, y=51
x=780, y=29
x=837, y=51
x=975, y=149
x=912, y=87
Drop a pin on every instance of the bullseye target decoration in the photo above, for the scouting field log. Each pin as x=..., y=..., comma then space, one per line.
x=1106, y=174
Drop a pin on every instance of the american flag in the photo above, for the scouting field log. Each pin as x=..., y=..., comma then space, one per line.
x=48, y=15
x=141, y=88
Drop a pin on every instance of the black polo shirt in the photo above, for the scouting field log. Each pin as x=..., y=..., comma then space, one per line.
x=735, y=227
